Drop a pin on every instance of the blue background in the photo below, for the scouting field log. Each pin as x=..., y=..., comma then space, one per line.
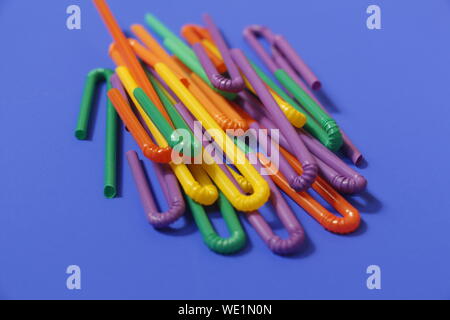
x=388, y=88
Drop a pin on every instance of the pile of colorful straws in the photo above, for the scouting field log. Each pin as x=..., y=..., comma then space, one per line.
x=157, y=94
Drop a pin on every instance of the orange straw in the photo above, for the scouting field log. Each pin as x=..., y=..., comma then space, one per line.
x=128, y=56
x=351, y=218
x=342, y=225
x=196, y=34
x=216, y=105
x=127, y=115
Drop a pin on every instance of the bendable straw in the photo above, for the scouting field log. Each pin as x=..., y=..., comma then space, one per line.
x=287, y=163
x=281, y=46
x=309, y=104
x=196, y=184
x=348, y=147
x=233, y=84
x=127, y=54
x=350, y=219
x=176, y=118
x=112, y=128
x=168, y=183
x=341, y=225
x=196, y=34
x=295, y=230
x=221, y=174
x=335, y=171
x=217, y=106
x=294, y=115
x=304, y=181
x=182, y=51
x=261, y=189
x=332, y=142
x=285, y=214
x=237, y=239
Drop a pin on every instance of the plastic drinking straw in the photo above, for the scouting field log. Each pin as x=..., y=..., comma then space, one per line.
x=221, y=174
x=295, y=230
x=332, y=142
x=280, y=44
x=171, y=135
x=217, y=106
x=348, y=147
x=237, y=239
x=351, y=218
x=168, y=182
x=196, y=184
x=175, y=116
x=127, y=54
x=196, y=34
x=304, y=181
x=233, y=84
x=341, y=225
x=81, y=132
x=181, y=50
x=243, y=183
x=295, y=116
x=291, y=109
x=335, y=171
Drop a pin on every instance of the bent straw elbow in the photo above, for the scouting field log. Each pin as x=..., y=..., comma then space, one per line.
x=235, y=242
x=205, y=195
x=306, y=179
x=341, y=225
x=226, y=84
x=349, y=185
x=334, y=139
x=230, y=124
x=287, y=246
x=162, y=220
x=235, y=84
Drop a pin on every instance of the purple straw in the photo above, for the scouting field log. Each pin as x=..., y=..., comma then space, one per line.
x=298, y=183
x=168, y=183
x=278, y=43
x=278, y=61
x=233, y=84
x=283, y=211
x=333, y=169
x=337, y=172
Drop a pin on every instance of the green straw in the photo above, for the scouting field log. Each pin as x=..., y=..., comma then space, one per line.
x=237, y=239
x=330, y=140
x=177, y=120
x=158, y=119
x=182, y=51
x=327, y=123
x=112, y=126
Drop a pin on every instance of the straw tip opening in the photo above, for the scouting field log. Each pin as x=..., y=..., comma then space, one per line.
x=110, y=192
x=81, y=134
x=316, y=85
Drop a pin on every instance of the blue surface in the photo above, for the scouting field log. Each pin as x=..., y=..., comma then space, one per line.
x=385, y=85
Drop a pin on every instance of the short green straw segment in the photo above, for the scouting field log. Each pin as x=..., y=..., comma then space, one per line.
x=157, y=118
x=112, y=126
x=329, y=139
x=237, y=239
x=177, y=120
x=328, y=124
x=182, y=51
